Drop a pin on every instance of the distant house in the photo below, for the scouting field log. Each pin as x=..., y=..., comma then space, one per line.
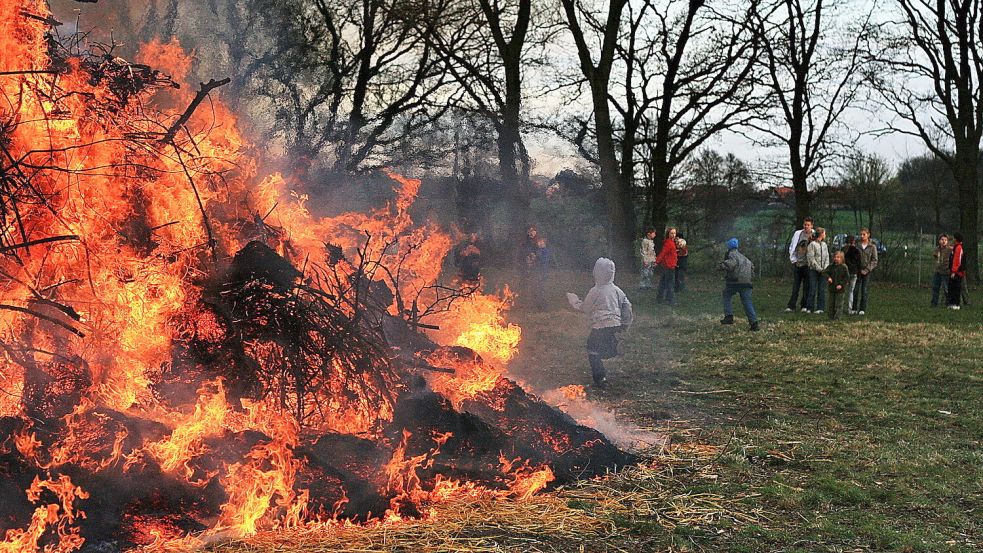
x=781, y=195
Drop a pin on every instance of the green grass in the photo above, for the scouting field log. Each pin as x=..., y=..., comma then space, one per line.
x=864, y=434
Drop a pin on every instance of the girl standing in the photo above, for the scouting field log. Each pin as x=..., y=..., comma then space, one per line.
x=648, y=259
x=817, y=257
x=940, y=280
x=957, y=272
x=666, y=261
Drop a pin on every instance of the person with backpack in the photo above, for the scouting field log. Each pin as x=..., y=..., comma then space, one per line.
x=797, y=249
x=738, y=274
x=610, y=312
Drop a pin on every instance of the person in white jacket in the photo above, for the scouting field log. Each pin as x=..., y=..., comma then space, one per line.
x=800, y=272
x=817, y=258
x=610, y=311
x=648, y=259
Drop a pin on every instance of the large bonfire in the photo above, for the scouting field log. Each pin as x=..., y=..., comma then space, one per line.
x=188, y=353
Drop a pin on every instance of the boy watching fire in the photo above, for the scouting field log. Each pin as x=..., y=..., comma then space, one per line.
x=610, y=312
x=838, y=281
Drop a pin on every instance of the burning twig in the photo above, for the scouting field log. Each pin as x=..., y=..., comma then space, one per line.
x=29, y=243
x=44, y=317
x=186, y=116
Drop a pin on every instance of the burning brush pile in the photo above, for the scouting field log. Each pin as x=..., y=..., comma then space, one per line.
x=188, y=353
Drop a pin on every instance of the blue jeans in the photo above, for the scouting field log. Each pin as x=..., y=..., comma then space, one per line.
x=817, y=291
x=667, y=286
x=861, y=293
x=940, y=288
x=800, y=277
x=744, y=291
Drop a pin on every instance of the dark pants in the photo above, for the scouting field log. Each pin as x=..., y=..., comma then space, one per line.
x=744, y=290
x=539, y=290
x=681, y=274
x=861, y=292
x=837, y=303
x=955, y=290
x=940, y=288
x=817, y=291
x=602, y=343
x=667, y=286
x=800, y=279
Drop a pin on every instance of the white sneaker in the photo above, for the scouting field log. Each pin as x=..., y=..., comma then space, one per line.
x=851, y=312
x=788, y=309
x=860, y=313
x=804, y=310
x=954, y=307
x=818, y=311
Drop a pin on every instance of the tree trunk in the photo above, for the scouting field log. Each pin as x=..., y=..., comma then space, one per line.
x=660, y=196
x=621, y=225
x=967, y=179
x=803, y=199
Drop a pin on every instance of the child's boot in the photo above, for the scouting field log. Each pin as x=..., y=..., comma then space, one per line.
x=755, y=327
x=727, y=320
x=597, y=370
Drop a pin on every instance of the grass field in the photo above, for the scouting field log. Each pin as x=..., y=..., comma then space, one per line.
x=864, y=434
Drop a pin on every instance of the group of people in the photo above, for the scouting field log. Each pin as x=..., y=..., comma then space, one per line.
x=846, y=275
x=833, y=283
x=670, y=262
x=950, y=271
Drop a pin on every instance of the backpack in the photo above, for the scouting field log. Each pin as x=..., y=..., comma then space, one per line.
x=801, y=249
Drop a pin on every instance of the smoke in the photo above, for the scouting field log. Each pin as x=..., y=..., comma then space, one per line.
x=573, y=401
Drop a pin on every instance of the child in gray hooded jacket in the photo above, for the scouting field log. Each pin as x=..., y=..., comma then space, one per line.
x=610, y=311
x=738, y=274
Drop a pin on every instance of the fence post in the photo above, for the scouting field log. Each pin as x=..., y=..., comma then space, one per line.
x=920, y=236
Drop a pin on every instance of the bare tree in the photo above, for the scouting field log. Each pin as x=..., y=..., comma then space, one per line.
x=813, y=71
x=707, y=58
x=866, y=177
x=487, y=46
x=666, y=80
x=939, y=44
x=351, y=79
x=616, y=188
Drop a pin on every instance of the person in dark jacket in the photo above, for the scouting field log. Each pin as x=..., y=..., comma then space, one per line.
x=738, y=273
x=467, y=259
x=682, y=263
x=852, y=255
x=542, y=264
x=525, y=261
x=957, y=271
x=868, y=262
x=837, y=279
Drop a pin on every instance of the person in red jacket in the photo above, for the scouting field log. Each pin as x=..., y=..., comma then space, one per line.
x=957, y=271
x=666, y=262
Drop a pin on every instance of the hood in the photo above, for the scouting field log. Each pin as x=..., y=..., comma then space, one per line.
x=603, y=271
